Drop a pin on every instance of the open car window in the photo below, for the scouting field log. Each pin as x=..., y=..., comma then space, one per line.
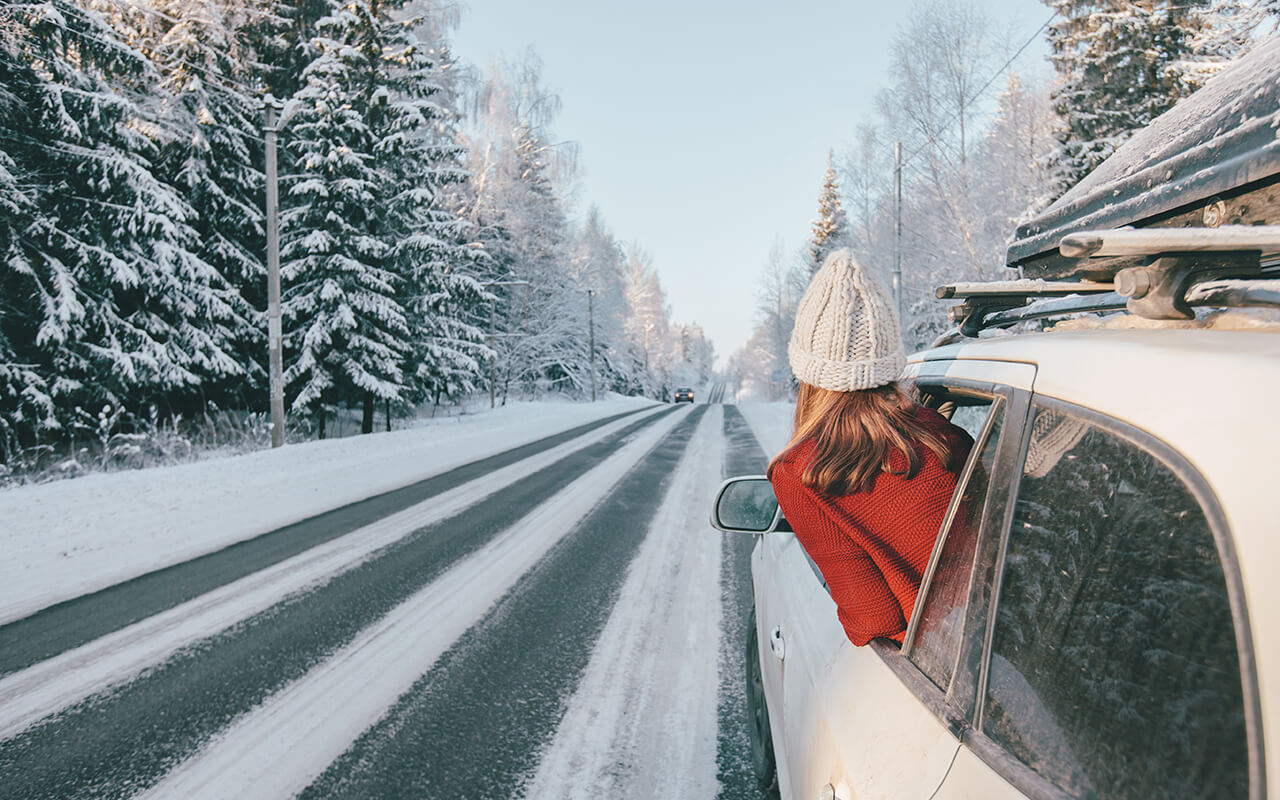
x=938, y=627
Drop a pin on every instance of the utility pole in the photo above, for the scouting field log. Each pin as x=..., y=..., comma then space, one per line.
x=271, y=108
x=493, y=359
x=897, y=229
x=591, y=323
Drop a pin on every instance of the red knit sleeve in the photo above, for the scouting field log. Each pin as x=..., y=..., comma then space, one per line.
x=866, y=605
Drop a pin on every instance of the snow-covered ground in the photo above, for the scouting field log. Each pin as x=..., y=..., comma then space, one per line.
x=771, y=422
x=65, y=539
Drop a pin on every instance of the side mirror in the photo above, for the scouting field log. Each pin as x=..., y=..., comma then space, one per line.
x=747, y=505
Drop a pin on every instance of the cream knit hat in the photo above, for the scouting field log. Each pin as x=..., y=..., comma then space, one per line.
x=846, y=335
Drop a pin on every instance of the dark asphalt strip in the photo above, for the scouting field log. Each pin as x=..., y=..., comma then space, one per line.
x=72, y=623
x=743, y=456
x=119, y=743
x=475, y=724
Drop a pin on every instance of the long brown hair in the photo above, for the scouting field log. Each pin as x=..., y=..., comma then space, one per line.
x=855, y=434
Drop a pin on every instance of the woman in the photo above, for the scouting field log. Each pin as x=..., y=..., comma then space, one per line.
x=868, y=474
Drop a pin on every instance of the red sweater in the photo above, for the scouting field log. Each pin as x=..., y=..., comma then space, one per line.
x=873, y=547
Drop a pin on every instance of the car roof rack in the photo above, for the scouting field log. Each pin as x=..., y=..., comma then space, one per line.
x=1156, y=273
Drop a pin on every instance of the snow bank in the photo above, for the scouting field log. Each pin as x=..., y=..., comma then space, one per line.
x=770, y=422
x=65, y=539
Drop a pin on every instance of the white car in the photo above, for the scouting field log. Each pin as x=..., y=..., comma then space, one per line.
x=1101, y=614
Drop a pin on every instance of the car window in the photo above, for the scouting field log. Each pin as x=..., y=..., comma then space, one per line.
x=971, y=418
x=936, y=641
x=1114, y=670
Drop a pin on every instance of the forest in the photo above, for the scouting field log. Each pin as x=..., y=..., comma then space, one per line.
x=427, y=248
x=985, y=147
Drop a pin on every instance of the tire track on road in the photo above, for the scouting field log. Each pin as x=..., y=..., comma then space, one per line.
x=743, y=456
x=120, y=743
x=642, y=722
x=72, y=623
x=474, y=724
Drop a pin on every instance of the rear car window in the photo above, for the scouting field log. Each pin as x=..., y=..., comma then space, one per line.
x=1114, y=670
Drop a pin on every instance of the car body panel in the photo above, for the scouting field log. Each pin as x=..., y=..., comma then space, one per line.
x=891, y=746
x=971, y=778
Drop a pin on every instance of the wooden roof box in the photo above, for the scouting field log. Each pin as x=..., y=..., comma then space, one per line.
x=1213, y=159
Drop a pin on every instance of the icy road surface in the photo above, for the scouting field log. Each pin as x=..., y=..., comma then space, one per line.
x=555, y=620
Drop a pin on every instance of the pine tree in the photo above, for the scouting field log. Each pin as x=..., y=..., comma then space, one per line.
x=597, y=264
x=345, y=328
x=209, y=155
x=121, y=307
x=831, y=228
x=1120, y=65
x=26, y=406
x=430, y=236
x=280, y=35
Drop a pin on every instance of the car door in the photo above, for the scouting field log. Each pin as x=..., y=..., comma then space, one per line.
x=769, y=571
x=1112, y=667
x=868, y=722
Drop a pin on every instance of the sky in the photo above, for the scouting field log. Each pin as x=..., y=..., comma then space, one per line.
x=703, y=126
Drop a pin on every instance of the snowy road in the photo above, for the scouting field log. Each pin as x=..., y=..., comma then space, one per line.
x=554, y=621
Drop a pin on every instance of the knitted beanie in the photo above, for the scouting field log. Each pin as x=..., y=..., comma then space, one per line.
x=846, y=336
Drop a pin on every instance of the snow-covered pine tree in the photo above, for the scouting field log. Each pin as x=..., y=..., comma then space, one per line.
x=26, y=407
x=212, y=123
x=1012, y=164
x=550, y=350
x=1120, y=65
x=830, y=231
x=345, y=330
x=430, y=236
x=280, y=36
x=649, y=325
x=123, y=310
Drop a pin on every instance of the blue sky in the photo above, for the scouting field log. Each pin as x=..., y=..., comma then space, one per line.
x=704, y=125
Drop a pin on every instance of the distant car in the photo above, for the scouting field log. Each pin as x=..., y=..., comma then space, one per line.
x=683, y=395
x=1099, y=615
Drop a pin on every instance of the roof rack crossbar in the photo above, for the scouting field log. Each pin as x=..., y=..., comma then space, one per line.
x=1230, y=293
x=1026, y=287
x=1166, y=241
x=1044, y=309
x=1257, y=294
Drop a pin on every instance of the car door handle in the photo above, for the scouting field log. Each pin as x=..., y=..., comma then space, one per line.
x=777, y=645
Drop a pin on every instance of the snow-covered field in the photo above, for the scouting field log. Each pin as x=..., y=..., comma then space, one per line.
x=65, y=539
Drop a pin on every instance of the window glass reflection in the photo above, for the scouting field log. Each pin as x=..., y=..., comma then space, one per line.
x=1114, y=670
